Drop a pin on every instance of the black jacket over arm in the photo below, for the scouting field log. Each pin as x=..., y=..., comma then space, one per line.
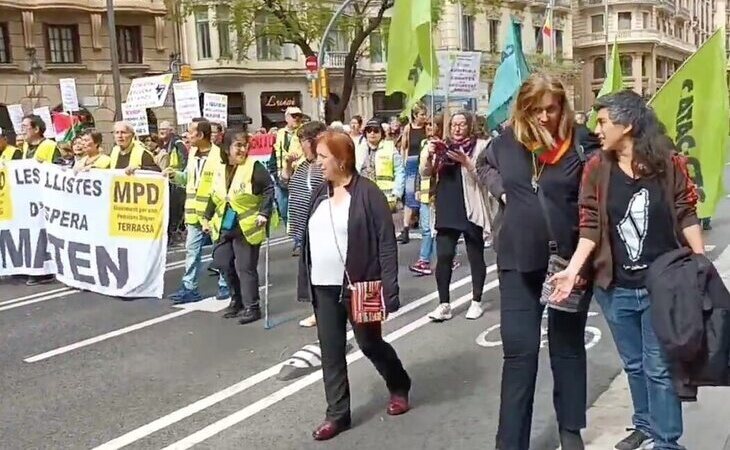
x=372, y=251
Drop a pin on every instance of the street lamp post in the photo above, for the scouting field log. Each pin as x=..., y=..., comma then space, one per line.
x=116, y=77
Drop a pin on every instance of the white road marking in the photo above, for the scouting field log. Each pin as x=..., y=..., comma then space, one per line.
x=37, y=294
x=217, y=397
x=270, y=400
x=709, y=248
x=39, y=299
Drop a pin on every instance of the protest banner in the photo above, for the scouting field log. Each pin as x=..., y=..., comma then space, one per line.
x=149, y=92
x=100, y=231
x=137, y=117
x=215, y=108
x=261, y=146
x=69, y=97
x=187, y=103
x=693, y=105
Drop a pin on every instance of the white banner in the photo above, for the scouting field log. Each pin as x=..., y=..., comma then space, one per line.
x=215, y=108
x=149, y=92
x=68, y=94
x=44, y=112
x=459, y=73
x=137, y=117
x=187, y=101
x=100, y=231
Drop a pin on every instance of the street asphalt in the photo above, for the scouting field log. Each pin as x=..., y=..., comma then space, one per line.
x=83, y=371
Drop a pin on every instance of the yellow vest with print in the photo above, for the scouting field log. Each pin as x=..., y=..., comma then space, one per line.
x=9, y=152
x=281, y=152
x=425, y=186
x=197, y=191
x=385, y=169
x=44, y=152
x=242, y=201
x=135, y=159
x=102, y=162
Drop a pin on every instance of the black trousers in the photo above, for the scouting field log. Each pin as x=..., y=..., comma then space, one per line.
x=521, y=318
x=238, y=262
x=446, y=241
x=332, y=316
x=177, y=209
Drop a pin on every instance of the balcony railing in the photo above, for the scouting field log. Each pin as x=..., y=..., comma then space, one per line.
x=590, y=39
x=558, y=3
x=335, y=60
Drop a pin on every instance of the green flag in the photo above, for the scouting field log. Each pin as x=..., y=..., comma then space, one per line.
x=612, y=83
x=693, y=104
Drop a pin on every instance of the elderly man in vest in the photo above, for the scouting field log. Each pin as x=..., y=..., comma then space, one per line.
x=287, y=146
x=8, y=152
x=129, y=153
x=203, y=160
x=377, y=159
x=175, y=147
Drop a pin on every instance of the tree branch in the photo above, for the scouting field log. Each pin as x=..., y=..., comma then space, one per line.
x=297, y=36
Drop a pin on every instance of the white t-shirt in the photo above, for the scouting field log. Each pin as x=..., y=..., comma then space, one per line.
x=328, y=268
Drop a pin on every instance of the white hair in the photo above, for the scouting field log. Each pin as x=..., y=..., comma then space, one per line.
x=128, y=126
x=337, y=126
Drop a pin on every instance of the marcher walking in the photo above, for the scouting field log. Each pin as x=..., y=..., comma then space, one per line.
x=637, y=203
x=410, y=146
x=349, y=269
x=237, y=216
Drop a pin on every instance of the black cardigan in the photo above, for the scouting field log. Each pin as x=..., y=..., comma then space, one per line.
x=372, y=251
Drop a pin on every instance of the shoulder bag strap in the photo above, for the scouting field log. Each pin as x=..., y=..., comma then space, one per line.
x=553, y=243
x=334, y=236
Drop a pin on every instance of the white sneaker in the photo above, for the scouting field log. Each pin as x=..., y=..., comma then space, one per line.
x=475, y=311
x=441, y=313
x=309, y=322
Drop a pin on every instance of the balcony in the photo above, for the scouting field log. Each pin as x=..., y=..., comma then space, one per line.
x=683, y=12
x=589, y=40
x=564, y=4
x=596, y=3
x=335, y=60
x=667, y=5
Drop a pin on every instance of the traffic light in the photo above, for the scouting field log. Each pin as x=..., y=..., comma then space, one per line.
x=314, y=88
x=324, y=84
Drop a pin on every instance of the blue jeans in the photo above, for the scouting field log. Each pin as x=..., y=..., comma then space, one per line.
x=194, y=252
x=657, y=409
x=282, y=202
x=427, y=244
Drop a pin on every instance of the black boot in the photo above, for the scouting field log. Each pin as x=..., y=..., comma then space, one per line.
x=233, y=309
x=404, y=237
x=250, y=315
x=571, y=440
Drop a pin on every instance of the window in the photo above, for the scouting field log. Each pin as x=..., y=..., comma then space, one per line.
x=558, y=43
x=202, y=31
x=493, y=36
x=627, y=65
x=539, y=41
x=5, y=56
x=379, y=42
x=338, y=41
x=236, y=108
x=624, y=21
x=223, y=21
x=599, y=68
x=467, y=37
x=267, y=48
x=62, y=44
x=387, y=105
x=597, y=23
x=129, y=44
x=645, y=65
x=646, y=20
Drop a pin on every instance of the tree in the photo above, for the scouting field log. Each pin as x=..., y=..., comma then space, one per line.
x=303, y=22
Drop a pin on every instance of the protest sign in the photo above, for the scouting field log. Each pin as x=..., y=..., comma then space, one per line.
x=68, y=94
x=100, y=231
x=45, y=114
x=16, y=117
x=215, y=108
x=187, y=103
x=458, y=74
x=137, y=117
x=149, y=92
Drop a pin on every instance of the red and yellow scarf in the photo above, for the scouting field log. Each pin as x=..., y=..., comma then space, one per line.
x=553, y=155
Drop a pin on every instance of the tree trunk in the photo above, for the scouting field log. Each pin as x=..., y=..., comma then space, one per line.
x=348, y=83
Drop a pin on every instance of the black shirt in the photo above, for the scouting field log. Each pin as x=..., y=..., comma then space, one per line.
x=450, y=207
x=148, y=162
x=415, y=137
x=522, y=243
x=641, y=226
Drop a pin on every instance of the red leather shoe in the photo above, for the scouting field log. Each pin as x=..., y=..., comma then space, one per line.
x=327, y=430
x=398, y=405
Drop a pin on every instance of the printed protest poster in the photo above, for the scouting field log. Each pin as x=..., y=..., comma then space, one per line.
x=459, y=74
x=69, y=97
x=215, y=108
x=137, y=117
x=261, y=146
x=16, y=117
x=149, y=92
x=45, y=114
x=99, y=230
x=187, y=103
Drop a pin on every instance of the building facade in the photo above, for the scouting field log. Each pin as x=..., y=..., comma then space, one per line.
x=273, y=76
x=654, y=37
x=42, y=41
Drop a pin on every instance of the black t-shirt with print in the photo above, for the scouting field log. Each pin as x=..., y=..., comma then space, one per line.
x=641, y=226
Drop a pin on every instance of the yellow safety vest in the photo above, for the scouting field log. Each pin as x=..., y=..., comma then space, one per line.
x=9, y=152
x=385, y=169
x=294, y=147
x=174, y=159
x=199, y=186
x=242, y=200
x=425, y=186
x=44, y=152
x=102, y=162
x=135, y=159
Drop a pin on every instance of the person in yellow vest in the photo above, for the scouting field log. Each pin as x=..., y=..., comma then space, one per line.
x=376, y=158
x=36, y=146
x=178, y=152
x=203, y=161
x=237, y=217
x=287, y=146
x=8, y=152
x=129, y=153
x=93, y=158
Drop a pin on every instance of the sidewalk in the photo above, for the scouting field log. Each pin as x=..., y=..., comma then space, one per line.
x=706, y=422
